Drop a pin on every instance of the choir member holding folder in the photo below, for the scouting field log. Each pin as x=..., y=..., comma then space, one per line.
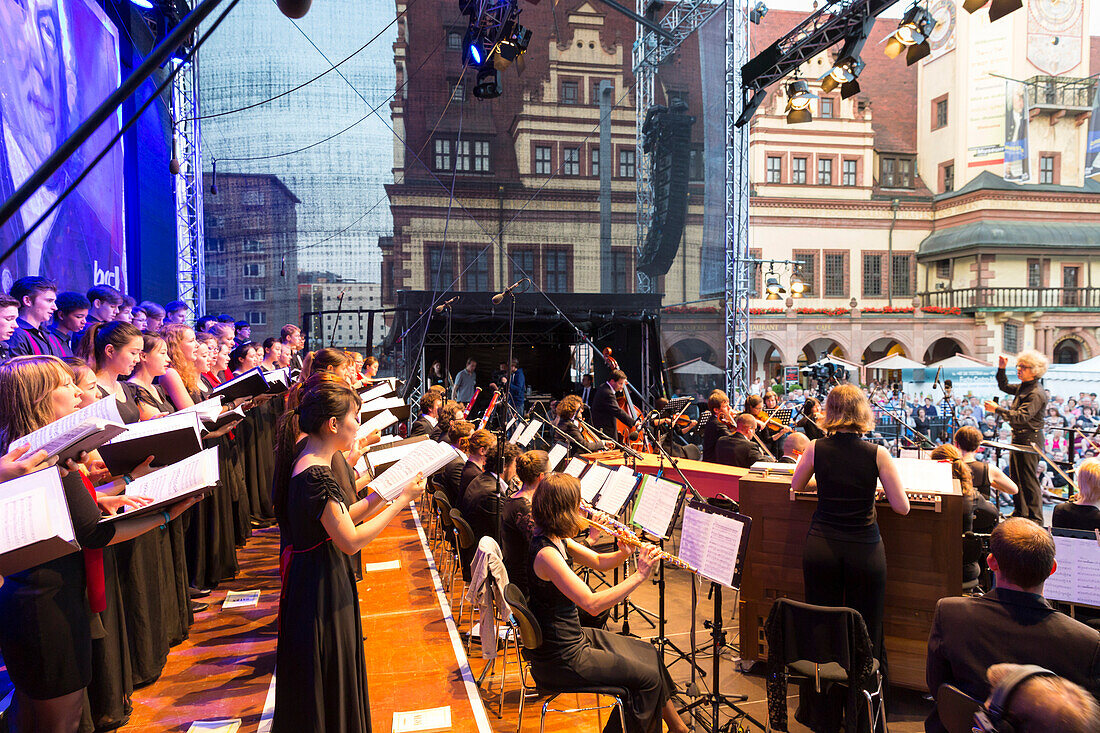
x=58, y=599
x=321, y=684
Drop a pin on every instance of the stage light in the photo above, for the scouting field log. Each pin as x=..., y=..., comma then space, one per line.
x=488, y=86
x=475, y=54
x=798, y=102
x=973, y=6
x=912, y=35
x=1000, y=8
x=143, y=4
x=773, y=286
x=759, y=10
x=798, y=285
x=512, y=47
x=845, y=70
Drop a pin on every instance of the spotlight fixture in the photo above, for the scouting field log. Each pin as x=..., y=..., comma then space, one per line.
x=488, y=85
x=143, y=4
x=493, y=42
x=514, y=45
x=759, y=10
x=798, y=102
x=912, y=34
x=773, y=286
x=798, y=285
x=843, y=75
x=997, y=8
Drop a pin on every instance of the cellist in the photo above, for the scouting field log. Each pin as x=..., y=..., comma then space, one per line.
x=605, y=406
x=568, y=409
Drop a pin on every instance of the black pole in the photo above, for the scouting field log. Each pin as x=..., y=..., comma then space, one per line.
x=447, y=353
x=152, y=62
x=507, y=408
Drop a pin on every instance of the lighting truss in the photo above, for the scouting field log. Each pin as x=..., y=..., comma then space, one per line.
x=824, y=28
x=190, y=271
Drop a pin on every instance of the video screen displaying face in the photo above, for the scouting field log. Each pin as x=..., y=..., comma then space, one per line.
x=58, y=60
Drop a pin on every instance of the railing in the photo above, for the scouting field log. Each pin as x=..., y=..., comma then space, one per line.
x=1013, y=298
x=1060, y=92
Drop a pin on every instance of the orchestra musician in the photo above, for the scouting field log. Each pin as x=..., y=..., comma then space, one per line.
x=793, y=447
x=568, y=409
x=810, y=422
x=719, y=425
x=573, y=655
x=843, y=559
x=1025, y=416
x=740, y=449
x=605, y=405
x=769, y=430
x=669, y=432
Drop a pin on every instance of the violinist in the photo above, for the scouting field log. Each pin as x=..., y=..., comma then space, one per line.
x=719, y=426
x=605, y=405
x=669, y=432
x=811, y=418
x=568, y=409
x=769, y=430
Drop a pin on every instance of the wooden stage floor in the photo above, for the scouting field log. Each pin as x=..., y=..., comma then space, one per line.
x=415, y=655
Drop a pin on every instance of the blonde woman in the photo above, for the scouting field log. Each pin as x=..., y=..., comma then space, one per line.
x=1025, y=415
x=843, y=559
x=1083, y=512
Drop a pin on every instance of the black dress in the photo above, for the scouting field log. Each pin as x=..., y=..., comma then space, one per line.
x=1069, y=515
x=517, y=528
x=321, y=677
x=573, y=655
x=45, y=622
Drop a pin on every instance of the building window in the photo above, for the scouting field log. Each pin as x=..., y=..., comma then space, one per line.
x=895, y=172
x=254, y=246
x=569, y=92
x=594, y=162
x=695, y=164
x=215, y=245
x=256, y=318
x=807, y=271
x=557, y=271
x=836, y=274
x=1046, y=169
x=454, y=41
x=901, y=281
x=1034, y=274
x=254, y=295
x=596, y=90
x=481, y=156
x=755, y=287
x=848, y=172
x=542, y=159
x=621, y=275
x=775, y=169
x=826, y=110
x=798, y=170
x=252, y=198
x=442, y=157
x=215, y=293
x=571, y=161
x=943, y=269
x=441, y=268
x=872, y=275
x=254, y=269
x=476, y=270
x=626, y=164
x=940, y=114
x=524, y=263
x=824, y=171
x=456, y=90
x=216, y=269
x=1010, y=338
x=949, y=178
x=462, y=156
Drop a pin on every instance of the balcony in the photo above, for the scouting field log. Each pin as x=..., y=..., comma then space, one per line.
x=1060, y=94
x=1013, y=299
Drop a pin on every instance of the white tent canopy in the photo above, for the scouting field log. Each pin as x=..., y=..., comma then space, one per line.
x=893, y=362
x=960, y=361
x=697, y=368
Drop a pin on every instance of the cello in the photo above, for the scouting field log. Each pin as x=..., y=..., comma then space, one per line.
x=640, y=443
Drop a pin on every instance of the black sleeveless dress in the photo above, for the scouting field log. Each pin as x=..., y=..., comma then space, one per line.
x=573, y=655
x=320, y=666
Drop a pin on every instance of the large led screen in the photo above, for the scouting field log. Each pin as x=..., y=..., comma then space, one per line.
x=59, y=59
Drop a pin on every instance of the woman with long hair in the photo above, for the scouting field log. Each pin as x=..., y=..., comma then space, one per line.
x=181, y=379
x=113, y=349
x=961, y=473
x=481, y=444
x=51, y=665
x=843, y=559
x=322, y=683
x=243, y=358
x=517, y=527
x=571, y=654
x=151, y=399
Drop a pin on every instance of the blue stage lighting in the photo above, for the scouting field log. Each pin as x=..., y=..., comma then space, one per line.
x=144, y=4
x=475, y=54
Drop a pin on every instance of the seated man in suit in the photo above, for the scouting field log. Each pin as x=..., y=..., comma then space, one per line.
x=430, y=402
x=1012, y=623
x=719, y=404
x=793, y=447
x=481, y=502
x=739, y=449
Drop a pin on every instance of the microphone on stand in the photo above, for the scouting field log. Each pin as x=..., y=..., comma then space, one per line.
x=445, y=305
x=936, y=381
x=500, y=296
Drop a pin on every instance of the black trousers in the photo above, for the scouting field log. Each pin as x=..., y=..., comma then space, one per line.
x=1028, y=502
x=853, y=574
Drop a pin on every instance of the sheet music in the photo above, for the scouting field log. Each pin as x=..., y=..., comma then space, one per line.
x=710, y=543
x=380, y=390
x=250, y=374
x=555, y=455
x=425, y=458
x=655, y=509
x=382, y=403
x=381, y=421
x=1077, y=577
x=159, y=425
x=520, y=426
x=925, y=476
x=529, y=432
x=593, y=480
x=575, y=467
x=101, y=410
x=207, y=410
x=24, y=518
x=282, y=376
x=617, y=490
x=167, y=484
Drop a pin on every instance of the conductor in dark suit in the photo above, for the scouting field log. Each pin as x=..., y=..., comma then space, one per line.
x=1012, y=623
x=1025, y=416
x=739, y=449
x=605, y=407
x=430, y=403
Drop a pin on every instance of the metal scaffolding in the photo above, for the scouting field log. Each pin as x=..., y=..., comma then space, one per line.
x=187, y=138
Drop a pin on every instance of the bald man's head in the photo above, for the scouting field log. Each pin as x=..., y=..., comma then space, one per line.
x=795, y=444
x=1023, y=551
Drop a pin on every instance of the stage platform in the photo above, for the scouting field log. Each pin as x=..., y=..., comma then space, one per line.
x=415, y=658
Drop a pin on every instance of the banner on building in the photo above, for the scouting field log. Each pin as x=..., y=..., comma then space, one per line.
x=1092, y=141
x=1016, y=118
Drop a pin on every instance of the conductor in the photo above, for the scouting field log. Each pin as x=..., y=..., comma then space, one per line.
x=1025, y=417
x=605, y=406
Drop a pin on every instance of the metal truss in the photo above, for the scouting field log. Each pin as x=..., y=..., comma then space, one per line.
x=190, y=269
x=651, y=49
x=738, y=263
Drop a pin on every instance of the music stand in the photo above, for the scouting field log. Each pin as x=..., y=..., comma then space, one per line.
x=715, y=542
x=782, y=415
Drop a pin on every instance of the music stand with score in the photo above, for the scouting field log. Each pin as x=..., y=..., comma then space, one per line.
x=715, y=541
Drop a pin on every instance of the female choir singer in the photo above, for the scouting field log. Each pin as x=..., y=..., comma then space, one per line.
x=843, y=560
x=570, y=654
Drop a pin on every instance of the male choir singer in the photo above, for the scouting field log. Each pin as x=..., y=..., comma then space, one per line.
x=1025, y=416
